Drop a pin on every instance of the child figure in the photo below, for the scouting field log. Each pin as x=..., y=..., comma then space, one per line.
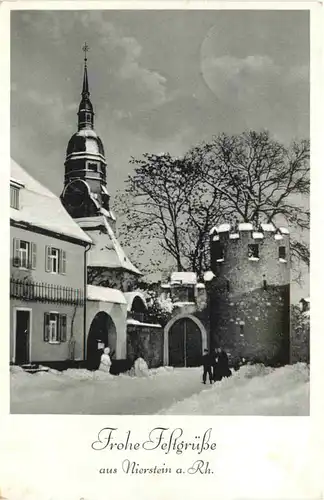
x=105, y=361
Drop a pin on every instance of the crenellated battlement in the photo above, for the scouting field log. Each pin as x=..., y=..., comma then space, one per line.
x=248, y=249
x=236, y=231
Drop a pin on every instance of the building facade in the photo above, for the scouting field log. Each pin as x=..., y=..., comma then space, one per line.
x=47, y=275
x=250, y=292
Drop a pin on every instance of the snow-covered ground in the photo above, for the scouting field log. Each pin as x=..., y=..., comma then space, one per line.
x=253, y=390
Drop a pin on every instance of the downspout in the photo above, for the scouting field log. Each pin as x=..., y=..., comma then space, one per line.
x=85, y=271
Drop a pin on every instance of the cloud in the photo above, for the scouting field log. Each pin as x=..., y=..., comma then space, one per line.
x=122, y=60
x=259, y=93
x=115, y=59
x=252, y=77
x=231, y=77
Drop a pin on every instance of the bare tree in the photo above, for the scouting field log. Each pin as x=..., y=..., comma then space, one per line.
x=162, y=203
x=258, y=179
x=247, y=177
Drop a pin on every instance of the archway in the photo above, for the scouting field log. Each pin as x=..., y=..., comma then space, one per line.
x=102, y=333
x=185, y=339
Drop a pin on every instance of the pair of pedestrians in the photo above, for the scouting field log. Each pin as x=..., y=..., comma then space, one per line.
x=215, y=365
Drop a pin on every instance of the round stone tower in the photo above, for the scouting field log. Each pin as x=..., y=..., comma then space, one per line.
x=250, y=293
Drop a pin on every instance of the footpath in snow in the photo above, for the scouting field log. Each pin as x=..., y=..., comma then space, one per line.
x=253, y=390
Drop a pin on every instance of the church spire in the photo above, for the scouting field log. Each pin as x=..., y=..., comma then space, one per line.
x=85, y=113
x=85, y=87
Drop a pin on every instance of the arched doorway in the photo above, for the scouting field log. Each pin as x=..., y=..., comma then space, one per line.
x=186, y=341
x=102, y=333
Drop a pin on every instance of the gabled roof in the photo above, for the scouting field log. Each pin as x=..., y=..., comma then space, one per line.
x=41, y=208
x=106, y=250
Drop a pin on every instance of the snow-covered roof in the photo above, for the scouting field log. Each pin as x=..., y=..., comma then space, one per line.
x=183, y=304
x=135, y=322
x=284, y=230
x=223, y=228
x=305, y=299
x=104, y=294
x=106, y=250
x=130, y=296
x=41, y=208
x=185, y=278
x=213, y=230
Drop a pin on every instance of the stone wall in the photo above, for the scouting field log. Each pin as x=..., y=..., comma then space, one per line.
x=252, y=325
x=146, y=342
x=250, y=294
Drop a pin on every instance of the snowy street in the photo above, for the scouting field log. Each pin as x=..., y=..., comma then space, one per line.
x=81, y=392
x=253, y=390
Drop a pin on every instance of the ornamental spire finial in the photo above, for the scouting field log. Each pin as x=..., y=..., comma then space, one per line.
x=85, y=86
x=85, y=49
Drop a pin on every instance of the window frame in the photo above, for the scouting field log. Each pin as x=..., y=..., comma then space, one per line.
x=252, y=255
x=284, y=256
x=24, y=258
x=93, y=164
x=14, y=197
x=60, y=258
x=54, y=258
x=60, y=322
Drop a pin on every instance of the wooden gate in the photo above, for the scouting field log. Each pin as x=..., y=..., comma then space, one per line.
x=185, y=343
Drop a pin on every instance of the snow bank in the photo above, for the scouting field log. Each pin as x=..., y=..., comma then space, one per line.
x=253, y=390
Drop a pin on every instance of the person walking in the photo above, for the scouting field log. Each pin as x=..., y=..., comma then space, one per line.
x=223, y=364
x=216, y=366
x=207, y=364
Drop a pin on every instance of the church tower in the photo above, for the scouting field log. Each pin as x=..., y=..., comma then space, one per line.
x=86, y=199
x=85, y=186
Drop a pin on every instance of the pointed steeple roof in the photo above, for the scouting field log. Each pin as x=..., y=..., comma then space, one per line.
x=85, y=114
x=85, y=86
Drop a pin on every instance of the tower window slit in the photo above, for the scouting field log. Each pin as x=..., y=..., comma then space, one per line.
x=253, y=251
x=282, y=252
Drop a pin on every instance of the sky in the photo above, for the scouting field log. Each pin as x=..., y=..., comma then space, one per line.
x=159, y=80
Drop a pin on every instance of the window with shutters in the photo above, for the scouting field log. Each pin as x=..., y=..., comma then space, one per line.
x=24, y=254
x=14, y=197
x=55, y=326
x=55, y=260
